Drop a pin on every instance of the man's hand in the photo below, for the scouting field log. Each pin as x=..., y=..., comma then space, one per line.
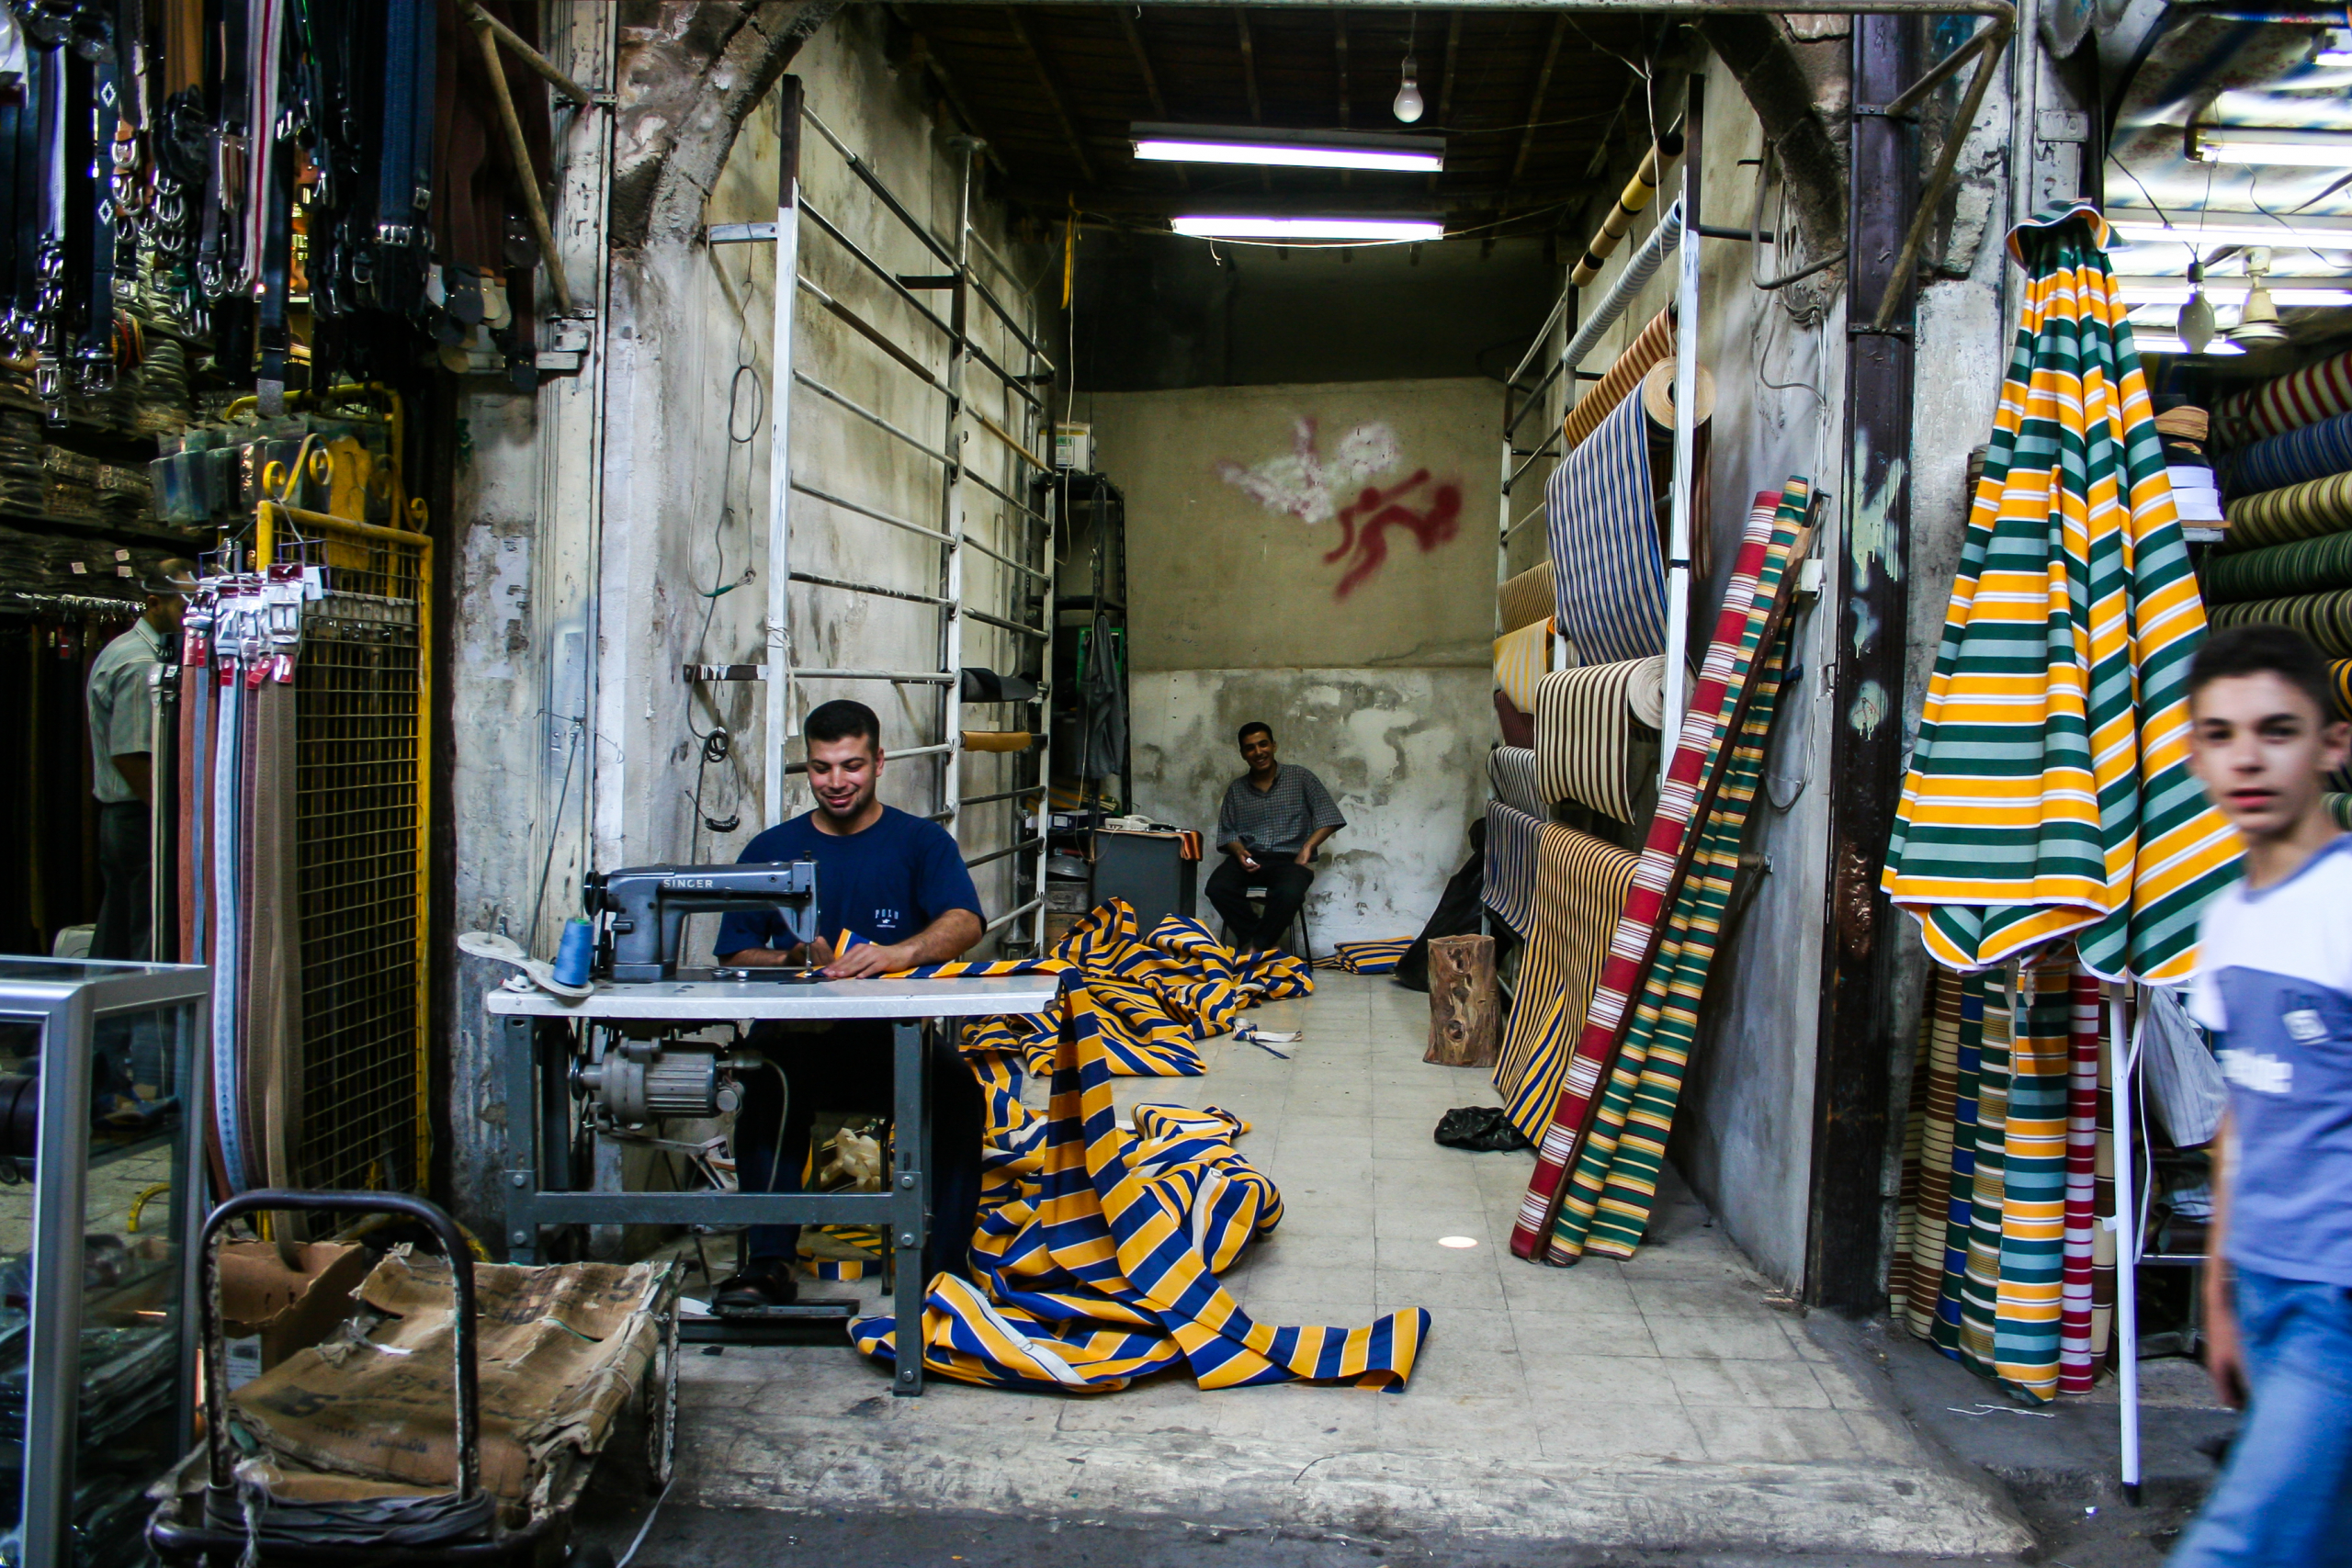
x=869, y=959
x=1304, y=857
x=2225, y=1349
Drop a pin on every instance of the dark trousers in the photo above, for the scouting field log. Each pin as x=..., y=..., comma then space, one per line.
x=1285, y=882
x=126, y=914
x=847, y=1068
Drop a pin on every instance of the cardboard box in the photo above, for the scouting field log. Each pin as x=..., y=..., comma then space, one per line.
x=271, y=1307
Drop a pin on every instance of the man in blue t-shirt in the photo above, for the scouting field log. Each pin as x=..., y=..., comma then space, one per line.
x=892, y=893
x=2274, y=983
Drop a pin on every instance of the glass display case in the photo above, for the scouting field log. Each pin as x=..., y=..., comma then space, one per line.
x=102, y=1072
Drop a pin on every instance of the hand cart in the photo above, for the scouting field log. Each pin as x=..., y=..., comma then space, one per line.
x=209, y=1525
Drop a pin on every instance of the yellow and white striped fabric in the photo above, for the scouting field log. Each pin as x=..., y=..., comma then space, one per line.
x=1527, y=598
x=1097, y=1249
x=1521, y=659
x=2048, y=794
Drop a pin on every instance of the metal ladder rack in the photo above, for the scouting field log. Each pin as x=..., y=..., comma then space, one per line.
x=995, y=541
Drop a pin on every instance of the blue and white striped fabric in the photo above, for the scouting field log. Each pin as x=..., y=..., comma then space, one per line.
x=1512, y=838
x=1607, y=572
x=1511, y=770
x=2312, y=453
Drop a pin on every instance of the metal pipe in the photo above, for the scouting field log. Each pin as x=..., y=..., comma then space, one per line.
x=1632, y=200
x=1008, y=560
x=1987, y=59
x=1012, y=849
x=1002, y=625
x=1685, y=437
x=897, y=677
x=867, y=330
x=1003, y=495
x=936, y=455
x=1012, y=915
x=1006, y=795
x=952, y=511
x=847, y=586
x=533, y=206
x=940, y=749
x=891, y=279
x=864, y=510
x=777, y=711
x=993, y=428
x=2123, y=1054
x=873, y=182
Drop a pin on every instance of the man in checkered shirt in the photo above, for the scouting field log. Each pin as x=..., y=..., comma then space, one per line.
x=1273, y=820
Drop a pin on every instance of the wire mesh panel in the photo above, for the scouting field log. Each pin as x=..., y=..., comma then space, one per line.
x=359, y=829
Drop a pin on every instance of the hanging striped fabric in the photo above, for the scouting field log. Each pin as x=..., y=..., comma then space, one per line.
x=1654, y=342
x=1580, y=886
x=2307, y=566
x=2309, y=395
x=1526, y=598
x=1366, y=957
x=1609, y=579
x=2078, y=1354
x=1968, y=1080
x=1749, y=599
x=1520, y=659
x=2302, y=511
x=2325, y=618
x=1605, y=1207
x=1928, y=1156
x=1513, y=837
x=1098, y=1250
x=2049, y=793
x=1584, y=734
x=2035, y=1148
x=2314, y=452
x=1510, y=775
x=1980, y=1284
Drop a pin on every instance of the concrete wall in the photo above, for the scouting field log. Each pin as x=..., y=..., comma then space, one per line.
x=1264, y=587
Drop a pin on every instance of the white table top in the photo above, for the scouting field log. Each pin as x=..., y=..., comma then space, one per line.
x=721, y=1001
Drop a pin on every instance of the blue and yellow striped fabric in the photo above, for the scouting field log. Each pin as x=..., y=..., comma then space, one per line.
x=1097, y=1249
x=1366, y=957
x=1154, y=997
x=1513, y=837
x=1607, y=572
x=2312, y=453
x=2048, y=794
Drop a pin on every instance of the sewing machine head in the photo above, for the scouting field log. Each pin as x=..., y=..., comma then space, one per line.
x=640, y=911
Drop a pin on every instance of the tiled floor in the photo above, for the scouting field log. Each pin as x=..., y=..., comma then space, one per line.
x=1584, y=1403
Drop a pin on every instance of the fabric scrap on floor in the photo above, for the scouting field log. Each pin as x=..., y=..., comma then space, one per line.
x=1097, y=1253
x=1366, y=957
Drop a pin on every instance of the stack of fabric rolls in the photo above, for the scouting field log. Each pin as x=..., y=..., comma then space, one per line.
x=2286, y=471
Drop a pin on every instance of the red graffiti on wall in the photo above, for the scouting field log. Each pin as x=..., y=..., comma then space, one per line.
x=1364, y=525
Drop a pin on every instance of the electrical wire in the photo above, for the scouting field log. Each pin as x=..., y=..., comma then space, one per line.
x=630, y=1555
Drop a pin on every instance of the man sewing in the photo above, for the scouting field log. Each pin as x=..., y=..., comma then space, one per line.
x=1273, y=820
x=892, y=893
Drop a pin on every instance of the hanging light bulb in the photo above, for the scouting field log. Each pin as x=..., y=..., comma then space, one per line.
x=2258, y=319
x=1408, y=107
x=2196, y=325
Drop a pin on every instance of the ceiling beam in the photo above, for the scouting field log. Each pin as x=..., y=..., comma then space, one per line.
x=925, y=52
x=1542, y=91
x=1248, y=64
x=1134, y=29
x=1445, y=84
x=1053, y=92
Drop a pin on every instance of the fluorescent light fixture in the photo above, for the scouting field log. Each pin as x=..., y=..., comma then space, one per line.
x=2216, y=229
x=2168, y=343
x=2334, y=57
x=2273, y=144
x=1287, y=150
x=1205, y=227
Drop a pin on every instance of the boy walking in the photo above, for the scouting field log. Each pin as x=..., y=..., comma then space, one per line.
x=2273, y=982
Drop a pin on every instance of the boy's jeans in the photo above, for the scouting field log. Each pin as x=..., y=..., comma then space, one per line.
x=2286, y=1500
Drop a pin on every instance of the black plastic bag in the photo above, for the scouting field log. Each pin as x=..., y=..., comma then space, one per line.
x=1484, y=1128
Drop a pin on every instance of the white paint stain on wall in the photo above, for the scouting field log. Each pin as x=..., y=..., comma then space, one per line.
x=1300, y=484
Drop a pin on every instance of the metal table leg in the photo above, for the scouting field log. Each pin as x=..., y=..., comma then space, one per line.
x=910, y=1208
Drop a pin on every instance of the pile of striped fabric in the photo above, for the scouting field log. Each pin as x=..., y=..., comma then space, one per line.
x=1154, y=996
x=2287, y=558
x=1098, y=1250
x=1367, y=957
x=2001, y=1258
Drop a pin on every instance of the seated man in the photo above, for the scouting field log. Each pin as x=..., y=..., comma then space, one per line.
x=897, y=883
x=1272, y=821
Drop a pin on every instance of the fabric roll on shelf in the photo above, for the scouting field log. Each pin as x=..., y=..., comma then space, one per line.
x=1520, y=659
x=1658, y=395
x=2339, y=807
x=2307, y=396
x=1513, y=837
x=998, y=740
x=1511, y=772
x=1609, y=576
x=1518, y=725
x=2325, y=618
x=1653, y=344
x=2305, y=511
x=2279, y=571
x=1585, y=734
x=2339, y=679
x=1526, y=598
x=1580, y=884
x=2295, y=458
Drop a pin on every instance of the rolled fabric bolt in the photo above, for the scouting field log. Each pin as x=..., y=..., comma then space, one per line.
x=573, y=954
x=998, y=740
x=1527, y=598
x=1657, y=394
x=1655, y=342
x=1637, y=194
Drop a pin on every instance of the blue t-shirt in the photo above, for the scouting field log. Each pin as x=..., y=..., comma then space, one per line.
x=2274, y=980
x=884, y=884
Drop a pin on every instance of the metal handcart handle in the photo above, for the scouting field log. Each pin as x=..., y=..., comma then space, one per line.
x=221, y=1464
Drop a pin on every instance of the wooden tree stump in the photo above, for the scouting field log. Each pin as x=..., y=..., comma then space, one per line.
x=1462, y=1001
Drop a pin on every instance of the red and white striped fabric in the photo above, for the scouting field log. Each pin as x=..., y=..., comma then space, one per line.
x=2076, y=1363
x=2313, y=393
x=1628, y=946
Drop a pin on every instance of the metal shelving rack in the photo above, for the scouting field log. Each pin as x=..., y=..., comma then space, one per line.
x=992, y=587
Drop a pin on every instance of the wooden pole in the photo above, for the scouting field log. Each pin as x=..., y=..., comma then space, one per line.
x=1462, y=1001
x=525, y=176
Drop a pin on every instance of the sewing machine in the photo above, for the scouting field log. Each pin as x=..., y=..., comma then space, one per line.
x=641, y=913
